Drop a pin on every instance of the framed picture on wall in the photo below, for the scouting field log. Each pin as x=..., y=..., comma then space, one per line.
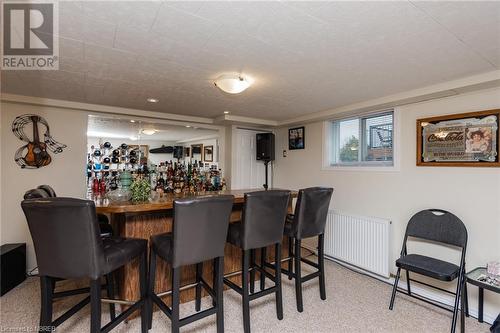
x=197, y=152
x=208, y=153
x=296, y=138
x=465, y=140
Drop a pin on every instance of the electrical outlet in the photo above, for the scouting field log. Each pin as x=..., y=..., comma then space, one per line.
x=284, y=153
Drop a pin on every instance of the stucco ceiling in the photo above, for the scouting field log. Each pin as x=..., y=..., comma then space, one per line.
x=304, y=56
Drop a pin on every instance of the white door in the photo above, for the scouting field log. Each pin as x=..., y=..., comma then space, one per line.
x=247, y=172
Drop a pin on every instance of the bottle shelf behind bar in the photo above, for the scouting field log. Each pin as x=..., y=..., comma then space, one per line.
x=180, y=175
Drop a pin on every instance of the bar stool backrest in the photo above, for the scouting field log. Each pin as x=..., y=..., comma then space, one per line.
x=439, y=226
x=263, y=218
x=200, y=228
x=66, y=237
x=311, y=211
x=50, y=191
x=35, y=193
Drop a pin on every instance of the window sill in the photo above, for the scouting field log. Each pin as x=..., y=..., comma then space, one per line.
x=356, y=168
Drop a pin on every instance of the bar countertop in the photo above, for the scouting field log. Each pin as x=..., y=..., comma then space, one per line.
x=103, y=205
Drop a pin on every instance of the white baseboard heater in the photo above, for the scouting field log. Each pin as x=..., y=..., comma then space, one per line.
x=360, y=241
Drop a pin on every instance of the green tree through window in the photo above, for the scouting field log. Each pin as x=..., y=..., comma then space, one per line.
x=349, y=152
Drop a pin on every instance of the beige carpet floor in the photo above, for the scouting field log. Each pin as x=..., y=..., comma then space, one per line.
x=355, y=303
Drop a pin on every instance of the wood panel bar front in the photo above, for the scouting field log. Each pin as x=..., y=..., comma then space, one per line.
x=144, y=220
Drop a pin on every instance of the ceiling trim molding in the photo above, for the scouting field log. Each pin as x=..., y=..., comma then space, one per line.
x=102, y=108
x=232, y=119
x=441, y=90
x=199, y=138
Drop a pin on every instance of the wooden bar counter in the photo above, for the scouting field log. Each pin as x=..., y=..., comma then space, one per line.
x=142, y=220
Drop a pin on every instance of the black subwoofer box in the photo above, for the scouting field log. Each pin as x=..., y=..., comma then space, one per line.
x=13, y=266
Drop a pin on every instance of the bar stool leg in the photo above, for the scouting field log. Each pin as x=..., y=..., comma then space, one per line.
x=298, y=277
x=277, y=281
x=110, y=291
x=214, y=280
x=219, y=288
x=95, y=306
x=252, y=272
x=151, y=285
x=263, y=258
x=143, y=281
x=176, y=278
x=46, y=298
x=321, y=262
x=199, y=272
x=290, y=256
x=244, y=289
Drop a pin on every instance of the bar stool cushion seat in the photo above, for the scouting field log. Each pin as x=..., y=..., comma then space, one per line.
x=438, y=269
x=234, y=234
x=163, y=245
x=119, y=251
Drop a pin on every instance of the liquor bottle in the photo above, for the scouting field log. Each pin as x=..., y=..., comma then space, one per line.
x=102, y=186
x=95, y=185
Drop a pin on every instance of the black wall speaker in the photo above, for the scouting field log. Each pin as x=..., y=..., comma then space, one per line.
x=265, y=146
x=13, y=266
x=178, y=151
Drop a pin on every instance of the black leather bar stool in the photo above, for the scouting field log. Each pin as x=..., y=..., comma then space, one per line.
x=263, y=218
x=46, y=191
x=104, y=226
x=308, y=220
x=199, y=234
x=68, y=245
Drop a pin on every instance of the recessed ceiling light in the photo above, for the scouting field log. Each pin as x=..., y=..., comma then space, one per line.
x=226, y=112
x=150, y=131
x=153, y=100
x=188, y=126
x=232, y=83
x=132, y=120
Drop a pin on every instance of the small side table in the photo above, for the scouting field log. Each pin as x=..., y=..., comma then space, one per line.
x=472, y=278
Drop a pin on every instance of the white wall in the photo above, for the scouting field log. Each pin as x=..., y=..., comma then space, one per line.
x=66, y=172
x=473, y=194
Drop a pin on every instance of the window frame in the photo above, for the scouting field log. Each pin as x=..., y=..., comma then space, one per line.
x=330, y=139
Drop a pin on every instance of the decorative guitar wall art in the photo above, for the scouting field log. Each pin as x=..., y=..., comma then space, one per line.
x=34, y=154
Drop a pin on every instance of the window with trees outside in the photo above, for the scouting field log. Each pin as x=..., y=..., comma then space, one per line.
x=363, y=141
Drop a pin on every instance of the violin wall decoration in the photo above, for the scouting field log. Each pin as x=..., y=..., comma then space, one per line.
x=34, y=154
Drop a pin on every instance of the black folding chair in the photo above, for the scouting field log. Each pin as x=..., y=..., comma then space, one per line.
x=441, y=227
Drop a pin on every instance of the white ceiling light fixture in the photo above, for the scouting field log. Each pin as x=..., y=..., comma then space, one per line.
x=232, y=83
x=149, y=131
x=153, y=100
x=226, y=112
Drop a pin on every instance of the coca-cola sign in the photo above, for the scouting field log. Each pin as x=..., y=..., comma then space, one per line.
x=453, y=140
x=450, y=136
